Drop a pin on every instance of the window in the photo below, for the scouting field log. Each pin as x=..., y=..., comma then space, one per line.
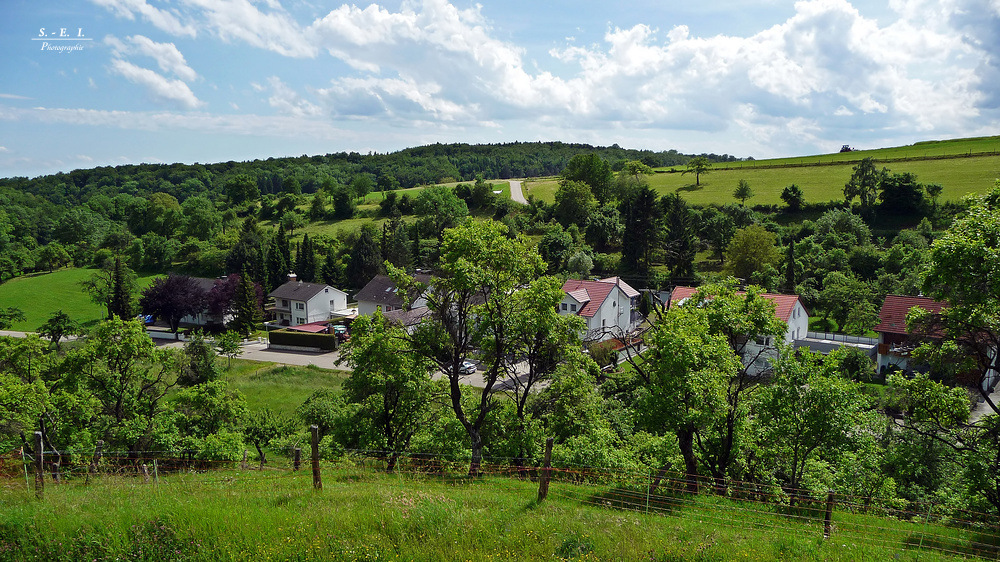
x=604, y=322
x=300, y=306
x=388, y=308
x=564, y=306
x=614, y=304
x=572, y=308
x=284, y=303
x=299, y=320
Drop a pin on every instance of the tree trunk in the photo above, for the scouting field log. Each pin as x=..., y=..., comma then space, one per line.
x=477, y=452
x=685, y=439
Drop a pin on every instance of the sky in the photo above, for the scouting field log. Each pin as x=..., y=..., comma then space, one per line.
x=87, y=83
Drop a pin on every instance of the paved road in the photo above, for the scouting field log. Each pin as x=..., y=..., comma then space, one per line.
x=515, y=192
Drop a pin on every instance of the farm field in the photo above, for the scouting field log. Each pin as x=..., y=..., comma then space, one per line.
x=363, y=515
x=920, y=150
x=958, y=176
x=41, y=295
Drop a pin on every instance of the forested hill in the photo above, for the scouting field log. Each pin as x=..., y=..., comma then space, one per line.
x=437, y=163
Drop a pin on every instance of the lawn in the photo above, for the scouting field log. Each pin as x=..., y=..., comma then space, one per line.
x=282, y=388
x=42, y=295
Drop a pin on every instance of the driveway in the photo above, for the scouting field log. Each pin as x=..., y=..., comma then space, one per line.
x=515, y=192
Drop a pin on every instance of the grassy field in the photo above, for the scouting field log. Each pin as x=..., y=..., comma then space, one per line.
x=362, y=515
x=282, y=388
x=920, y=150
x=41, y=295
x=821, y=183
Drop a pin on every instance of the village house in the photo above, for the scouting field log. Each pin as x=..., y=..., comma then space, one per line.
x=895, y=343
x=609, y=306
x=204, y=318
x=760, y=350
x=298, y=303
x=380, y=294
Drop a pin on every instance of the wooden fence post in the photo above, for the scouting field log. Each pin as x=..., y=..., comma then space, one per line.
x=243, y=465
x=96, y=460
x=145, y=473
x=543, y=481
x=317, y=481
x=296, y=458
x=827, y=519
x=39, y=472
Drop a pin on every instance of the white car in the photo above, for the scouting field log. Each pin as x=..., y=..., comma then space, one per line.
x=467, y=368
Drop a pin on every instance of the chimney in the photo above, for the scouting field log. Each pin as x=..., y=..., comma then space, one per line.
x=291, y=277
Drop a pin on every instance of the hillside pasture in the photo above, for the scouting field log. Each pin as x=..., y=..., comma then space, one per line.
x=43, y=294
x=819, y=183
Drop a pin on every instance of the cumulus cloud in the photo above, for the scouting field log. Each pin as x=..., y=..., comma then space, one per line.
x=240, y=20
x=158, y=86
x=287, y=101
x=167, y=56
x=930, y=66
x=166, y=20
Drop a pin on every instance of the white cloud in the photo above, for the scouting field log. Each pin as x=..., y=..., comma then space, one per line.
x=4, y=149
x=241, y=20
x=169, y=21
x=288, y=102
x=167, y=56
x=160, y=87
x=14, y=97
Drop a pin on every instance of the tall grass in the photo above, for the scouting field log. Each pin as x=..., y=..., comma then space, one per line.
x=364, y=515
x=282, y=388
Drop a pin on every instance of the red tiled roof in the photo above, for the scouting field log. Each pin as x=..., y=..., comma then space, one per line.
x=597, y=290
x=893, y=314
x=625, y=287
x=783, y=304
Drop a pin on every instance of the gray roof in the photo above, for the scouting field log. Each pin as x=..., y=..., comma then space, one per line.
x=205, y=283
x=298, y=291
x=381, y=290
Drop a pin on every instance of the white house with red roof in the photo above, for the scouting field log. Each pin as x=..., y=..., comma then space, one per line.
x=787, y=308
x=609, y=306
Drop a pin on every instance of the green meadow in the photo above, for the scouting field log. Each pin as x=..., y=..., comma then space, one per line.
x=41, y=295
x=360, y=514
x=282, y=388
x=822, y=178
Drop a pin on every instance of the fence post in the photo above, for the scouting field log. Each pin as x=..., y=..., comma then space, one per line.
x=145, y=473
x=96, y=460
x=156, y=471
x=317, y=481
x=543, y=481
x=243, y=465
x=829, y=514
x=296, y=458
x=39, y=473
x=24, y=464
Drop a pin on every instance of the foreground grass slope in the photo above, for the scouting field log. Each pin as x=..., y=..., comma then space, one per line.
x=363, y=515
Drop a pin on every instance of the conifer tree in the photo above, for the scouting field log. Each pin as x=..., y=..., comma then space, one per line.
x=248, y=314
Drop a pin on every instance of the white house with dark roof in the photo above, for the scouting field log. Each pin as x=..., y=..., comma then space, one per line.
x=380, y=294
x=609, y=306
x=203, y=318
x=298, y=303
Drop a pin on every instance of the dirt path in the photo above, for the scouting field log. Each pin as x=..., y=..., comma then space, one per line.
x=515, y=192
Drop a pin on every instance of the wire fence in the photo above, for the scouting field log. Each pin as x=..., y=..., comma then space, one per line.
x=852, y=519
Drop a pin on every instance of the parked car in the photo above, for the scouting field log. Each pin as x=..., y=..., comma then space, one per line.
x=467, y=368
